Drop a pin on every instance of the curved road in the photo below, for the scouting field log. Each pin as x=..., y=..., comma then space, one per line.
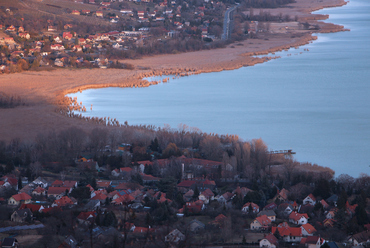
x=227, y=23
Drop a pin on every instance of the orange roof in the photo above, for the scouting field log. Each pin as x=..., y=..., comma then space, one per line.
x=297, y=216
x=102, y=184
x=309, y=228
x=208, y=193
x=39, y=190
x=125, y=169
x=64, y=201
x=22, y=197
x=263, y=220
x=32, y=207
x=57, y=190
x=86, y=215
x=220, y=217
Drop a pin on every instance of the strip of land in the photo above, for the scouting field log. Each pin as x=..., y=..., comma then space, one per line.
x=43, y=92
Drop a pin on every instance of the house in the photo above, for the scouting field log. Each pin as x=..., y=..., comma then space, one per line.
x=174, y=237
x=40, y=182
x=99, y=13
x=269, y=213
x=11, y=28
x=115, y=173
x=282, y=195
x=248, y=205
x=226, y=197
x=63, y=202
x=11, y=179
x=324, y=204
x=194, y=207
x=330, y=214
x=270, y=241
x=92, y=205
x=261, y=222
x=58, y=192
x=103, y=184
x=312, y=242
x=298, y=219
x=271, y=206
x=24, y=35
x=285, y=208
x=206, y=196
x=52, y=28
x=19, y=198
x=308, y=230
x=33, y=207
x=69, y=242
x=22, y=215
x=219, y=220
x=57, y=47
x=333, y=199
x=75, y=12
x=67, y=35
x=39, y=191
x=241, y=191
x=359, y=238
x=188, y=195
x=289, y=234
x=10, y=243
x=310, y=199
x=195, y=225
x=86, y=217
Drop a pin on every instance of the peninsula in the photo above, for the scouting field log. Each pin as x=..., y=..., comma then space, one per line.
x=43, y=92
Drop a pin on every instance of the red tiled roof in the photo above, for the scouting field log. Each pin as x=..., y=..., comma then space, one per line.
x=39, y=190
x=102, y=184
x=271, y=238
x=86, y=215
x=100, y=197
x=309, y=228
x=64, y=201
x=22, y=197
x=11, y=180
x=312, y=197
x=255, y=207
x=126, y=198
x=263, y=220
x=125, y=169
x=32, y=207
x=285, y=230
x=57, y=190
x=297, y=216
x=57, y=183
x=220, y=217
x=207, y=193
x=186, y=183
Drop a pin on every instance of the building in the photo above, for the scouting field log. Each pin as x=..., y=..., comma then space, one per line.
x=19, y=199
x=22, y=215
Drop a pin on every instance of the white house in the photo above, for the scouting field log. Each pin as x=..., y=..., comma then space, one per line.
x=310, y=199
x=270, y=241
x=298, y=219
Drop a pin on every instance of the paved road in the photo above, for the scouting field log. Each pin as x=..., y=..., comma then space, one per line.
x=18, y=228
x=227, y=23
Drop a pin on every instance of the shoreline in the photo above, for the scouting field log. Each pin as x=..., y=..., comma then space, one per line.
x=45, y=91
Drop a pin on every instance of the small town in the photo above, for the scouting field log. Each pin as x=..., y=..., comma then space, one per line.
x=123, y=27
x=133, y=195
x=38, y=35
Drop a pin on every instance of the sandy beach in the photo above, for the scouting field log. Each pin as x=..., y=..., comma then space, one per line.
x=43, y=92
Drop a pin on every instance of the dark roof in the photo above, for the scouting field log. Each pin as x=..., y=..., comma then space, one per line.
x=9, y=242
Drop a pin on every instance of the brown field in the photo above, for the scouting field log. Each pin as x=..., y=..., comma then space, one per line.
x=44, y=90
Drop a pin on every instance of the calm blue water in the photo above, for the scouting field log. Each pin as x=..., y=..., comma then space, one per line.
x=316, y=103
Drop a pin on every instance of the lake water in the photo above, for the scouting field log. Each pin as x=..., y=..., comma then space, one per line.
x=316, y=103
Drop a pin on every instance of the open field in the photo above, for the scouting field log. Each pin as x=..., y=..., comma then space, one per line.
x=43, y=91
